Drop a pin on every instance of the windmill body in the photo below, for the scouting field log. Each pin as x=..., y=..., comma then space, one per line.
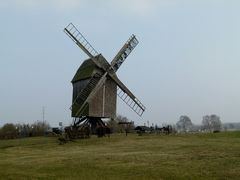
x=103, y=103
x=96, y=85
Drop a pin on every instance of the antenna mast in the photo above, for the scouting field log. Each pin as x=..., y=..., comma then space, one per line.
x=43, y=114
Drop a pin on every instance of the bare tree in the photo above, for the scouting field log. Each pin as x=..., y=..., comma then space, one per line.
x=184, y=124
x=206, y=123
x=211, y=123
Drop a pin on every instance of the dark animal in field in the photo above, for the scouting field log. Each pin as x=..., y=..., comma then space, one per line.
x=56, y=130
x=62, y=140
x=165, y=129
x=142, y=129
x=73, y=132
x=103, y=131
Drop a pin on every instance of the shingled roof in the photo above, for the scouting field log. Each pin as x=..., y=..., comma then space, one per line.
x=86, y=70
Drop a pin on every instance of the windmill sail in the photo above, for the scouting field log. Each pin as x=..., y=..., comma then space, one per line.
x=131, y=101
x=80, y=40
x=93, y=91
x=127, y=96
x=124, y=52
x=85, y=92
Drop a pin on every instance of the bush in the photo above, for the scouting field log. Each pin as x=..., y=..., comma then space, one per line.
x=8, y=131
x=39, y=128
x=117, y=125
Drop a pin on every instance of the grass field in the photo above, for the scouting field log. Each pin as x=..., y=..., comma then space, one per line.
x=192, y=156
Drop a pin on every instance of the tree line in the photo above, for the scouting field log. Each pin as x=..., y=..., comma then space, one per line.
x=40, y=128
x=11, y=131
x=121, y=124
x=210, y=123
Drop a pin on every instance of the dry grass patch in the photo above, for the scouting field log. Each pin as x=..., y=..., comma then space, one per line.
x=193, y=156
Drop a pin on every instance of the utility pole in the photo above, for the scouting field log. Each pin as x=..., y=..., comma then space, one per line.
x=43, y=114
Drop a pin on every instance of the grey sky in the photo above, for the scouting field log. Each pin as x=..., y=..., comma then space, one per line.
x=187, y=61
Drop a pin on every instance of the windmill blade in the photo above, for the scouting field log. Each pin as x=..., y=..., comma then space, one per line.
x=133, y=103
x=93, y=91
x=124, y=52
x=80, y=40
x=85, y=92
x=127, y=96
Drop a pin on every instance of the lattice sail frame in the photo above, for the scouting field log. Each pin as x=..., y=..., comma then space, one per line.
x=124, y=52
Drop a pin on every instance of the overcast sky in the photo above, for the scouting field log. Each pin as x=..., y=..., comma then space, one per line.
x=187, y=61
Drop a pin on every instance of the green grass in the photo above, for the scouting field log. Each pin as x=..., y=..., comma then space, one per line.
x=192, y=156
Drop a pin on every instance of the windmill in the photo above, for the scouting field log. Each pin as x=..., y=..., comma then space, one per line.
x=96, y=85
